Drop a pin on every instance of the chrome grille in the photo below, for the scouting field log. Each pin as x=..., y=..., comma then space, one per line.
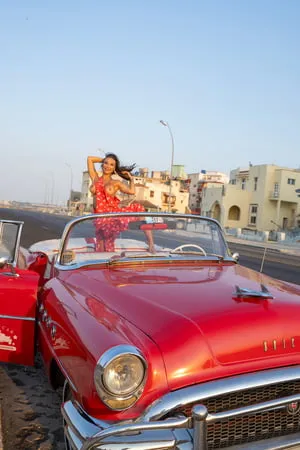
x=255, y=427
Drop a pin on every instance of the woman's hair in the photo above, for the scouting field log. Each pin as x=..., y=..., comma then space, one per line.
x=119, y=169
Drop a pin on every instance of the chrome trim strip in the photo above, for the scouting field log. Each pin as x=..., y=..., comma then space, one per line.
x=137, y=260
x=58, y=263
x=29, y=319
x=192, y=394
x=12, y=274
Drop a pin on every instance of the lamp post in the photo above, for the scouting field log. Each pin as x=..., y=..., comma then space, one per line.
x=52, y=188
x=71, y=183
x=165, y=124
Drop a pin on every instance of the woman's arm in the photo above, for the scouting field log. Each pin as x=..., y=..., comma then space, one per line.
x=91, y=160
x=127, y=189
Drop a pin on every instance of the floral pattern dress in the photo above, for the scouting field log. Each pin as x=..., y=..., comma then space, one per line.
x=108, y=228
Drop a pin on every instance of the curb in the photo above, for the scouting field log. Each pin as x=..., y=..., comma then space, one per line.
x=287, y=249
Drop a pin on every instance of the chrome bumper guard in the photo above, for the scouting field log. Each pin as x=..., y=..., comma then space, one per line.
x=85, y=433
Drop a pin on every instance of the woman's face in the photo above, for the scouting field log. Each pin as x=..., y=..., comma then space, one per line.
x=108, y=166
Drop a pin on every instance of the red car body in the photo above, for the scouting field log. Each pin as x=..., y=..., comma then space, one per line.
x=202, y=340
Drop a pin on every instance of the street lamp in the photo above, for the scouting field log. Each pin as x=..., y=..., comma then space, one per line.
x=165, y=124
x=71, y=183
x=51, y=189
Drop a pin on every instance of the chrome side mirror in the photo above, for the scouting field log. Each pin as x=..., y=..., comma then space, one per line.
x=3, y=262
x=236, y=256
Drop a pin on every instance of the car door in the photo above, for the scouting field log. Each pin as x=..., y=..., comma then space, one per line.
x=18, y=297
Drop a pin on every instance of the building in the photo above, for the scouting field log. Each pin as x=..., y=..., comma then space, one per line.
x=260, y=198
x=198, y=182
x=151, y=191
x=157, y=191
x=86, y=196
x=178, y=172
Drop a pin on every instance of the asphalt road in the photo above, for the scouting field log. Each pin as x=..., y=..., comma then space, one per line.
x=40, y=226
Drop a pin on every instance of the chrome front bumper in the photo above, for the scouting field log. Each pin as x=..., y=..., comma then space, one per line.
x=153, y=431
x=175, y=433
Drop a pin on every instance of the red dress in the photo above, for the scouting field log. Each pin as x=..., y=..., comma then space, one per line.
x=108, y=228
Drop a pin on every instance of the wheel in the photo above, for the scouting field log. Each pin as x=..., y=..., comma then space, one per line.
x=181, y=247
x=180, y=225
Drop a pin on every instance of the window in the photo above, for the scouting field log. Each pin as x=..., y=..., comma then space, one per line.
x=291, y=181
x=243, y=184
x=151, y=194
x=276, y=190
x=255, y=183
x=253, y=209
x=234, y=213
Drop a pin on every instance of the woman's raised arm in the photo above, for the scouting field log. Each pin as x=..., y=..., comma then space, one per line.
x=91, y=160
x=127, y=189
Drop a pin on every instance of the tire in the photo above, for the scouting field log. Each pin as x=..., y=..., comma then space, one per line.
x=180, y=225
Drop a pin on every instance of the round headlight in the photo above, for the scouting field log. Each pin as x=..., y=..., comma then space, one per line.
x=120, y=376
x=123, y=375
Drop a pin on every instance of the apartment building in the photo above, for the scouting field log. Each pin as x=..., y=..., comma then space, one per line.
x=152, y=192
x=261, y=197
x=86, y=196
x=198, y=182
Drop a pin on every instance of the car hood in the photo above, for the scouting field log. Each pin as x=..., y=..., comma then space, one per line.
x=193, y=315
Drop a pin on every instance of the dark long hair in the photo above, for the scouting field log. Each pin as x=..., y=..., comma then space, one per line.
x=119, y=169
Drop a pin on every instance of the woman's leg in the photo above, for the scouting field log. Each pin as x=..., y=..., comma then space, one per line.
x=109, y=242
x=149, y=237
x=99, y=241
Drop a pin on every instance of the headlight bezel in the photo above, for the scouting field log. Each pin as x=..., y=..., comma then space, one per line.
x=115, y=401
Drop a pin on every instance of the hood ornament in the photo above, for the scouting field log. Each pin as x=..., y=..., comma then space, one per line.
x=264, y=293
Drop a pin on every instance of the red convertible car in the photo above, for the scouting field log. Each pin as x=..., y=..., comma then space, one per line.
x=174, y=346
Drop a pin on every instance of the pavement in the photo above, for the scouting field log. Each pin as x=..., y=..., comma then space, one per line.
x=293, y=248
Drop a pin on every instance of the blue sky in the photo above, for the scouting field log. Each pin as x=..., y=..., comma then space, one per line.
x=81, y=75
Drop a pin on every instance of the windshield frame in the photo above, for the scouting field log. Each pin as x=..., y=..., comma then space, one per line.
x=70, y=225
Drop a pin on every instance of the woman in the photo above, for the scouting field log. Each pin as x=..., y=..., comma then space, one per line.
x=104, y=190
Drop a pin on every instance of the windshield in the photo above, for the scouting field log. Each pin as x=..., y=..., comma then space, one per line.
x=111, y=237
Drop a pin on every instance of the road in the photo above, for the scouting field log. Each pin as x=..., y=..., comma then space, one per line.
x=34, y=420
x=39, y=226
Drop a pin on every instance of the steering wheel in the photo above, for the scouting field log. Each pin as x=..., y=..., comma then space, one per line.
x=181, y=247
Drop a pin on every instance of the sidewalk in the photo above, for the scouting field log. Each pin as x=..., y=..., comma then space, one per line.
x=293, y=249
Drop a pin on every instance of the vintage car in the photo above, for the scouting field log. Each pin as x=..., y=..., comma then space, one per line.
x=179, y=347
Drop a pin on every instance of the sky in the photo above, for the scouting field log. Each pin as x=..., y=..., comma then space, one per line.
x=79, y=76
